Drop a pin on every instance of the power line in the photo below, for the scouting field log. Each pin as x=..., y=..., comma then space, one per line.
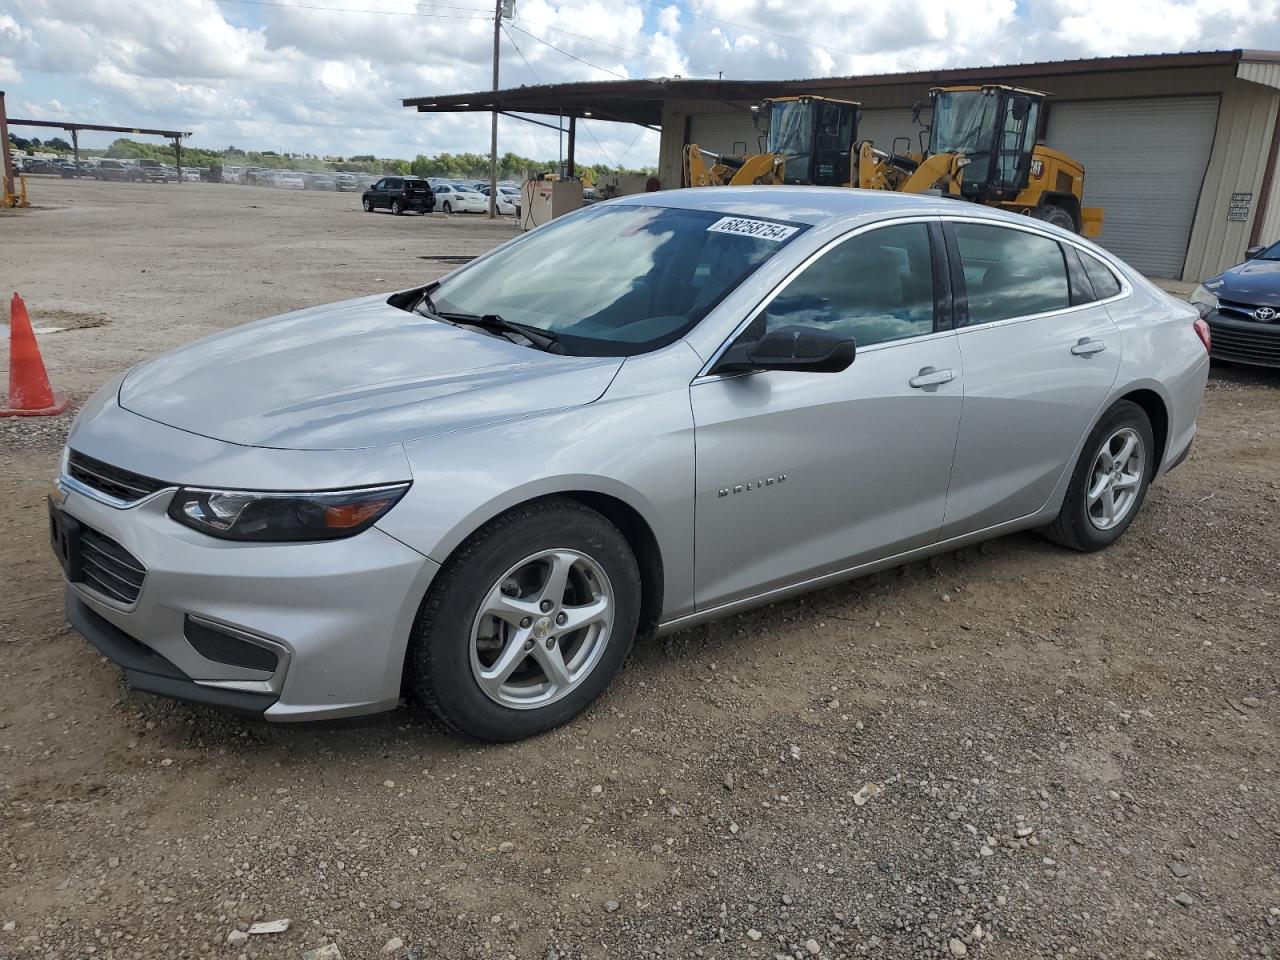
x=385, y=13
x=521, y=52
x=630, y=145
x=598, y=144
x=606, y=43
x=593, y=66
x=748, y=29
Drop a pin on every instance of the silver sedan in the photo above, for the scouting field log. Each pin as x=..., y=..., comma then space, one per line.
x=657, y=411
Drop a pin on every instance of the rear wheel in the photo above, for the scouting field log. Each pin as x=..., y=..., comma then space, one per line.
x=527, y=623
x=1057, y=216
x=1109, y=482
x=397, y=207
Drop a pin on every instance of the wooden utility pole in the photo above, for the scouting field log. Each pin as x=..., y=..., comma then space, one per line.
x=493, y=129
x=6, y=169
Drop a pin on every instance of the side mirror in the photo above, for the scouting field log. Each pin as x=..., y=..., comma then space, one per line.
x=797, y=348
x=1253, y=252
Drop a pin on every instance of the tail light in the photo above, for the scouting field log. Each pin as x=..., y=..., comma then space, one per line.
x=1201, y=327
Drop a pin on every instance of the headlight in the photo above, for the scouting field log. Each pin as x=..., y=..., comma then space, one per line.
x=1204, y=299
x=255, y=515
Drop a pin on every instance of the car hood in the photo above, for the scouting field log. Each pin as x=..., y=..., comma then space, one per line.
x=356, y=374
x=1254, y=282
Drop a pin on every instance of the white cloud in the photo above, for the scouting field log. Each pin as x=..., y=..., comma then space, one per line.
x=284, y=77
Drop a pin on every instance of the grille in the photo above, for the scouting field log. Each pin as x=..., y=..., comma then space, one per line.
x=109, y=568
x=1261, y=346
x=1241, y=311
x=113, y=481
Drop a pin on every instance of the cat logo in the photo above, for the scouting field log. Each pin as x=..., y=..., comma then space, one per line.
x=1037, y=169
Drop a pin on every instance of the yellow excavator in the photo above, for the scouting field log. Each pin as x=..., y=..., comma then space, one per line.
x=981, y=147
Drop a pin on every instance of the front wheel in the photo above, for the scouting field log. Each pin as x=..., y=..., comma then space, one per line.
x=368, y=205
x=446, y=208
x=1056, y=216
x=527, y=622
x=1109, y=482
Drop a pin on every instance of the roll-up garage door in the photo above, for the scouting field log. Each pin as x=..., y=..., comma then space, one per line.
x=1144, y=164
x=727, y=133
x=882, y=126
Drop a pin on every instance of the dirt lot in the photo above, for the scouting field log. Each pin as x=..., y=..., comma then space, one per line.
x=1078, y=754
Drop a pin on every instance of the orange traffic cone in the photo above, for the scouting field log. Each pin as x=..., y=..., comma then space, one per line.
x=30, y=394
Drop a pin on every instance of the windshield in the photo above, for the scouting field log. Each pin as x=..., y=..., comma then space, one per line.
x=963, y=122
x=791, y=134
x=1271, y=253
x=616, y=280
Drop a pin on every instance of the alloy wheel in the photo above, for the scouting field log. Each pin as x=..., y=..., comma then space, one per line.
x=1115, y=479
x=542, y=628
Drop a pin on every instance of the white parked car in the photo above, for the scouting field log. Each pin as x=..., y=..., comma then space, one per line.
x=451, y=198
x=507, y=200
x=289, y=180
x=190, y=175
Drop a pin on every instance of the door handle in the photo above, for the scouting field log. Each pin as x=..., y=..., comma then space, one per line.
x=1085, y=346
x=931, y=377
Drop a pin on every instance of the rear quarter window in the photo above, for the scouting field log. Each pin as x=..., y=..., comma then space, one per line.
x=1104, y=282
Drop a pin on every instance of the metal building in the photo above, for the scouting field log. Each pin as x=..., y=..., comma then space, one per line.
x=1180, y=149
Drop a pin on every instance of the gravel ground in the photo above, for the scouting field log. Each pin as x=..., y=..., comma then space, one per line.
x=1008, y=751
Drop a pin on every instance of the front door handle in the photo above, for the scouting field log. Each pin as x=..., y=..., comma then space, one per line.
x=931, y=377
x=1085, y=346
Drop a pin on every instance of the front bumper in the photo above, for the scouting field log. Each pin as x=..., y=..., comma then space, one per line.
x=332, y=619
x=1244, y=341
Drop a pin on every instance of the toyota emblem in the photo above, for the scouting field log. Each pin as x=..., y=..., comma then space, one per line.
x=1265, y=314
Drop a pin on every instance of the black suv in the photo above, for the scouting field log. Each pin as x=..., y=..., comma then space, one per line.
x=399, y=194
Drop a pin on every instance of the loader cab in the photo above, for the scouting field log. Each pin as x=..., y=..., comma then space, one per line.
x=994, y=126
x=815, y=136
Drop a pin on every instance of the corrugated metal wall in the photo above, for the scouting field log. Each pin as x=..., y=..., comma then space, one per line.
x=1240, y=147
x=1269, y=74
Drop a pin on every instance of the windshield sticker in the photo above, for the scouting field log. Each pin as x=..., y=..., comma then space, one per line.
x=760, y=229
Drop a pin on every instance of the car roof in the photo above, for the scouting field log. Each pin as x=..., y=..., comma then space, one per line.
x=813, y=205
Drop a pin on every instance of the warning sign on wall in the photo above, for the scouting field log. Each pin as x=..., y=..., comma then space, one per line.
x=1238, y=209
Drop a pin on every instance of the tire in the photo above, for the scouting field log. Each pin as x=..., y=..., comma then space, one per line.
x=1057, y=216
x=1078, y=525
x=454, y=641
x=367, y=204
x=446, y=208
x=397, y=207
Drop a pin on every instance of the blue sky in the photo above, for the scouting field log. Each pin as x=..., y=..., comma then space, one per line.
x=325, y=76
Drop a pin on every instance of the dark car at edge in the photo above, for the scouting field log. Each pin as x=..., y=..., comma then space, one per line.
x=399, y=194
x=1242, y=308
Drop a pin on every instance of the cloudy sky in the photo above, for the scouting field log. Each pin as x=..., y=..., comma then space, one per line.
x=326, y=76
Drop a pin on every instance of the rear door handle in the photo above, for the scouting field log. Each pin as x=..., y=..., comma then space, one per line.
x=1085, y=346
x=931, y=377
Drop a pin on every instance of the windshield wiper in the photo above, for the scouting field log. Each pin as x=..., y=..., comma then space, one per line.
x=493, y=323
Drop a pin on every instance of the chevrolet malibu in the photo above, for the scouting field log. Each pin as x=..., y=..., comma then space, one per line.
x=657, y=411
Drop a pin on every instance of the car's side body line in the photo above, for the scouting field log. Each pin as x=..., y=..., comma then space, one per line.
x=1036, y=519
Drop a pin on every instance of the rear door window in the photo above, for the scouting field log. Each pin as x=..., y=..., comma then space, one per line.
x=1010, y=273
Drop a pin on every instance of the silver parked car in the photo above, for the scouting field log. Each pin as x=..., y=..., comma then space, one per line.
x=664, y=409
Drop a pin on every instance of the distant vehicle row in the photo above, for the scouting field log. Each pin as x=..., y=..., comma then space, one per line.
x=423, y=195
x=399, y=194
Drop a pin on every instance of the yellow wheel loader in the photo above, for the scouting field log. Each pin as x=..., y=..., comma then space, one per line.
x=982, y=147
